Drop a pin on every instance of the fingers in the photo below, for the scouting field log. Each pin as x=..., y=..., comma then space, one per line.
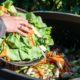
x=22, y=33
x=35, y=30
x=24, y=29
x=21, y=19
x=23, y=22
x=23, y=26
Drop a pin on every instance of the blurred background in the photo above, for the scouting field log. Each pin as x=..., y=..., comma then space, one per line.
x=70, y=6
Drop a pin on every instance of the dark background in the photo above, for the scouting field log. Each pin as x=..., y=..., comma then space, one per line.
x=71, y=6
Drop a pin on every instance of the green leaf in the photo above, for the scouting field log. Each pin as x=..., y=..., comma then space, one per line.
x=22, y=15
x=13, y=40
x=7, y=4
x=35, y=53
x=30, y=54
x=1, y=47
x=19, y=47
x=42, y=28
x=14, y=54
x=25, y=40
x=24, y=55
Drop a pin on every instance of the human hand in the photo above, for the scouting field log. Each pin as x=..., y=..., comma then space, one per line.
x=16, y=24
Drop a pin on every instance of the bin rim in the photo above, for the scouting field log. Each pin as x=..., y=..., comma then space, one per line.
x=56, y=15
x=62, y=16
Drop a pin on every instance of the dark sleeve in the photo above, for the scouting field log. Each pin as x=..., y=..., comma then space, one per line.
x=2, y=28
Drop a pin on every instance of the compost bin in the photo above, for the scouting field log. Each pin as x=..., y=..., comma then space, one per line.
x=65, y=33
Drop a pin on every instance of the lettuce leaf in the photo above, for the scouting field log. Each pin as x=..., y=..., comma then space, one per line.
x=13, y=54
x=42, y=28
x=19, y=47
x=13, y=40
x=9, y=5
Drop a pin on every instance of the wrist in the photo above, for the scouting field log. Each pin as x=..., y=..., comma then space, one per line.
x=2, y=27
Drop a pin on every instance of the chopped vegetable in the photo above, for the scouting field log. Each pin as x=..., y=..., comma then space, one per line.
x=47, y=68
x=21, y=48
x=14, y=47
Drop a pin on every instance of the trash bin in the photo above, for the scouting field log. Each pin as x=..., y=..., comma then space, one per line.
x=65, y=33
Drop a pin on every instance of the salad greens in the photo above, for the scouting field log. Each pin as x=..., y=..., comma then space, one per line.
x=9, y=5
x=19, y=47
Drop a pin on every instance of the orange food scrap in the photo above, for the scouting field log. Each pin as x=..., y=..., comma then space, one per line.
x=43, y=61
x=39, y=71
x=8, y=59
x=55, y=58
x=31, y=38
x=3, y=9
x=4, y=52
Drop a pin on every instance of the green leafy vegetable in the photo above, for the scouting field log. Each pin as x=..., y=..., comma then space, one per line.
x=42, y=28
x=19, y=47
x=9, y=5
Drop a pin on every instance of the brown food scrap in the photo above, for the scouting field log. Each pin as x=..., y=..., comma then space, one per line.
x=43, y=61
x=4, y=52
x=40, y=71
x=3, y=9
x=8, y=59
x=13, y=33
x=55, y=58
x=31, y=38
